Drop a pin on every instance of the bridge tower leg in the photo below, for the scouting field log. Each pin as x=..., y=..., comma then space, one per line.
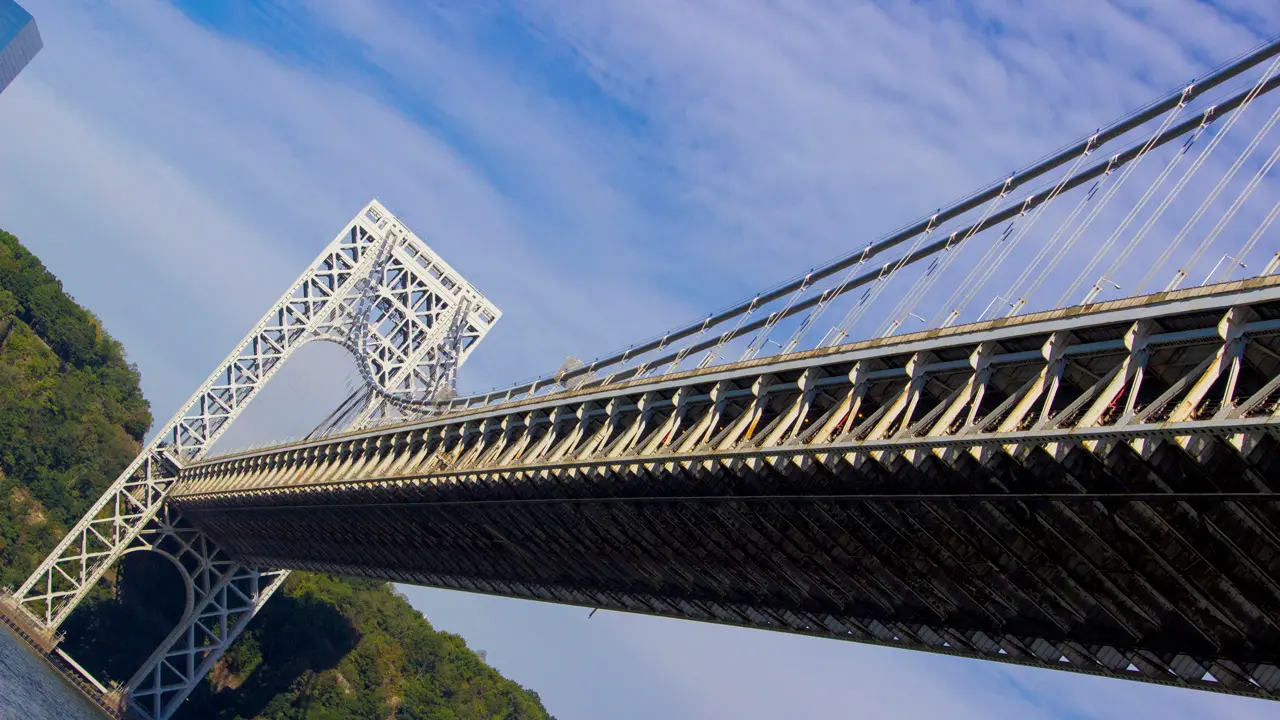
x=222, y=597
x=376, y=289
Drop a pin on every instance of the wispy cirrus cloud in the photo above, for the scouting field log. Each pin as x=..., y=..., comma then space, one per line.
x=809, y=127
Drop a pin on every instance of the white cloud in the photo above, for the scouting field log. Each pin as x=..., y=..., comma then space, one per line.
x=806, y=129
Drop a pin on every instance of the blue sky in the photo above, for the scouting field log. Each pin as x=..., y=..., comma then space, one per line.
x=602, y=171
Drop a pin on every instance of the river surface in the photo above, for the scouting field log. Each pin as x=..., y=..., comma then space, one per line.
x=31, y=690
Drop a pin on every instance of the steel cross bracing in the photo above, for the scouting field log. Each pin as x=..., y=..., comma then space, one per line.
x=222, y=596
x=378, y=290
x=1088, y=489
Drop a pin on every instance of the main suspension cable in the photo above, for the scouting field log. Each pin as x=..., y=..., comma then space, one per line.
x=1218, y=77
x=921, y=251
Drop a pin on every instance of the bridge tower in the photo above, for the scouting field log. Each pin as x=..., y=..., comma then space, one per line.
x=378, y=290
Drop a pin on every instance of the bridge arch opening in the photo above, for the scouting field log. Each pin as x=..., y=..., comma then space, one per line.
x=315, y=380
x=128, y=613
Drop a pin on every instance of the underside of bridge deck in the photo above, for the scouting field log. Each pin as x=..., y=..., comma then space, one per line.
x=1110, y=563
x=1092, y=489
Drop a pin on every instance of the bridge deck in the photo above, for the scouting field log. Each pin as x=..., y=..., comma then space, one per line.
x=1091, y=489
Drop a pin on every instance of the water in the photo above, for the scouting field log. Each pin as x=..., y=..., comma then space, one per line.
x=31, y=690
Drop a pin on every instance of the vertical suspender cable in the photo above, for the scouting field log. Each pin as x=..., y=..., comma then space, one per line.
x=982, y=272
x=1124, y=223
x=1181, y=274
x=1242, y=196
x=1016, y=295
x=1151, y=220
x=1106, y=198
x=684, y=352
x=1195, y=218
x=727, y=336
x=825, y=302
x=1266, y=51
x=1171, y=247
x=907, y=305
x=1262, y=228
x=762, y=336
x=882, y=280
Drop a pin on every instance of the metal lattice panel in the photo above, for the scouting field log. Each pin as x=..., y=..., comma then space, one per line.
x=222, y=597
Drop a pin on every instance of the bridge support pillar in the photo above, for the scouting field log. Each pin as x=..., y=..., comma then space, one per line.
x=161, y=685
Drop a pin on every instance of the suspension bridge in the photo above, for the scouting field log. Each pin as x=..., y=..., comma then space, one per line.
x=1036, y=426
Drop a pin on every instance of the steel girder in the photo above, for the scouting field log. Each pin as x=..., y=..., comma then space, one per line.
x=1086, y=489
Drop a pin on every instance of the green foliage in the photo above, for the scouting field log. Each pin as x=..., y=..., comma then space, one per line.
x=8, y=304
x=245, y=656
x=344, y=648
x=71, y=411
x=74, y=334
x=325, y=648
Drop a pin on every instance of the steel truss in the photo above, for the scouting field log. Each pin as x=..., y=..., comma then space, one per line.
x=222, y=596
x=379, y=291
x=1085, y=489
